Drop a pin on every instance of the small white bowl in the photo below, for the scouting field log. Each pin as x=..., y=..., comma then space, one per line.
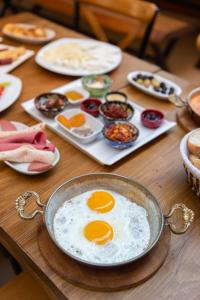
x=192, y=172
x=95, y=125
x=85, y=94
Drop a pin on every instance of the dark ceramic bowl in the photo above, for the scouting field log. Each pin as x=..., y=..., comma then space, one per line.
x=91, y=106
x=152, y=118
x=50, y=104
x=119, y=144
x=108, y=118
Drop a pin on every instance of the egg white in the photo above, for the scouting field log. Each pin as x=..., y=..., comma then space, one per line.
x=128, y=220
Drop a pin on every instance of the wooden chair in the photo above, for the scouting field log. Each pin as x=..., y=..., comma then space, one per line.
x=23, y=287
x=143, y=13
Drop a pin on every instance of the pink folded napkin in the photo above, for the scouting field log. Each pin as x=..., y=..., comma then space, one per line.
x=37, y=139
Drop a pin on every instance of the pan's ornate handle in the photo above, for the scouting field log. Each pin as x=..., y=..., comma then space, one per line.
x=177, y=101
x=188, y=218
x=21, y=203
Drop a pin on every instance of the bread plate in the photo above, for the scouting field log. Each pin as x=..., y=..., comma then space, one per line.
x=50, y=34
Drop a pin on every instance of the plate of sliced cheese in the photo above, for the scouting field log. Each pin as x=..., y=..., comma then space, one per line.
x=79, y=57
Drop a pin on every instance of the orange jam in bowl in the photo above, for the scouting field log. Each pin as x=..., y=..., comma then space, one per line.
x=74, y=95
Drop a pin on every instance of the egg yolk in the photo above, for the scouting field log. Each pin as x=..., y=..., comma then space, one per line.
x=98, y=232
x=101, y=202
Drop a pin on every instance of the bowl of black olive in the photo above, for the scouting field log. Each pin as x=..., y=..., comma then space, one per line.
x=152, y=118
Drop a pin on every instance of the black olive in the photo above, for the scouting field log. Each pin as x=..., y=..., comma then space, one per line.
x=171, y=91
x=163, y=85
x=156, y=89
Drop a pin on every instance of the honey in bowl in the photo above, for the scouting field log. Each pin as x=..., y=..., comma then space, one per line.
x=74, y=96
x=195, y=103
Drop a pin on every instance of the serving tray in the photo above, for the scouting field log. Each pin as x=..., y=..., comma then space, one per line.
x=99, y=149
x=106, y=280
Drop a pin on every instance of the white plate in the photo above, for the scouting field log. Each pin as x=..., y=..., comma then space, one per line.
x=150, y=90
x=109, y=57
x=50, y=35
x=17, y=62
x=11, y=92
x=23, y=167
x=94, y=124
x=99, y=150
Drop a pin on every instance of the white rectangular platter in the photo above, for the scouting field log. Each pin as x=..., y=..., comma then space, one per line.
x=17, y=62
x=99, y=149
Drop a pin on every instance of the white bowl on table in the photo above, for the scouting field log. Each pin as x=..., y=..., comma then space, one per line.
x=192, y=172
x=95, y=125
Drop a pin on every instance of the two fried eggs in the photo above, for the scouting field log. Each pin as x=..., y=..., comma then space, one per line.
x=102, y=226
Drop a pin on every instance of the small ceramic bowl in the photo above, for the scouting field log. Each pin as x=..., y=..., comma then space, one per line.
x=50, y=104
x=152, y=118
x=80, y=91
x=91, y=106
x=97, y=85
x=120, y=144
x=116, y=96
x=111, y=118
x=93, y=123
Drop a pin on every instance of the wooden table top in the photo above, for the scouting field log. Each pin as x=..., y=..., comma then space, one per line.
x=158, y=166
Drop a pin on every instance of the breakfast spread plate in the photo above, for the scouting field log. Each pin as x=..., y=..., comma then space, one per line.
x=35, y=167
x=99, y=149
x=79, y=57
x=28, y=33
x=153, y=84
x=11, y=57
x=10, y=89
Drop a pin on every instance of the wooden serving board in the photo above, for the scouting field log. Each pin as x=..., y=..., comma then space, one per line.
x=185, y=121
x=106, y=280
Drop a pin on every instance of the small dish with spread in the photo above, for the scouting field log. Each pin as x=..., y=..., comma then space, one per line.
x=120, y=135
x=152, y=118
x=76, y=96
x=116, y=96
x=116, y=111
x=97, y=85
x=80, y=124
x=91, y=106
x=50, y=104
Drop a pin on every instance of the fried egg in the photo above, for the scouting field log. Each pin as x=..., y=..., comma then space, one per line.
x=102, y=226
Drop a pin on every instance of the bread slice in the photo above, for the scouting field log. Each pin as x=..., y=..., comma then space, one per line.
x=195, y=160
x=194, y=143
